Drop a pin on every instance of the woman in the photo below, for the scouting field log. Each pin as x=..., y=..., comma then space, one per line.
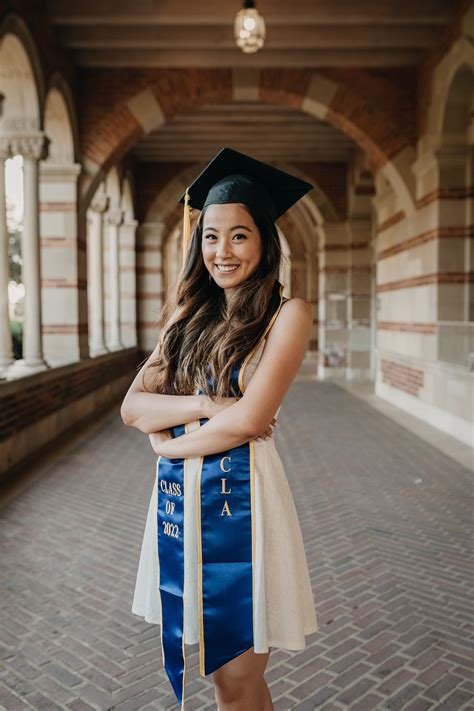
x=222, y=561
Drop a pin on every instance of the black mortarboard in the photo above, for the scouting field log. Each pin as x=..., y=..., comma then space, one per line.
x=235, y=177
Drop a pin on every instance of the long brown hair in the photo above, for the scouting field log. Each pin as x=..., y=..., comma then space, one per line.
x=198, y=327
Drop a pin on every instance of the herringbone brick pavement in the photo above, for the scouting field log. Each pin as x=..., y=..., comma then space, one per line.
x=385, y=518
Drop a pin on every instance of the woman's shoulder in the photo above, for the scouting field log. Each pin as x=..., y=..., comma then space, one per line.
x=294, y=312
x=295, y=304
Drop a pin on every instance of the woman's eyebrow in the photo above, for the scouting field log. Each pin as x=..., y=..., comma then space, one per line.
x=235, y=227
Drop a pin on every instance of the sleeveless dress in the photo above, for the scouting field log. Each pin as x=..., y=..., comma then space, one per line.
x=283, y=602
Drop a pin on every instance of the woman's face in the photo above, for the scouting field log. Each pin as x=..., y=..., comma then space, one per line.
x=230, y=238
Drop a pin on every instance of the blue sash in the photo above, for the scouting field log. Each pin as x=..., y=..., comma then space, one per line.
x=225, y=554
x=226, y=539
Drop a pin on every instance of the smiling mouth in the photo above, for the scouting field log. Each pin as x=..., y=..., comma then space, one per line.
x=227, y=269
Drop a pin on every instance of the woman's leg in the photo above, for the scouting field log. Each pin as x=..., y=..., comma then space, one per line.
x=240, y=686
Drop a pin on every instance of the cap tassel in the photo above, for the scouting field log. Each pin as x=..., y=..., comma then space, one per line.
x=186, y=225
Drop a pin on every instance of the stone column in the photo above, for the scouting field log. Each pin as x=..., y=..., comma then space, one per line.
x=6, y=351
x=361, y=191
x=453, y=208
x=332, y=304
x=150, y=282
x=114, y=219
x=95, y=279
x=33, y=148
x=311, y=294
x=61, y=256
x=128, y=291
x=359, y=300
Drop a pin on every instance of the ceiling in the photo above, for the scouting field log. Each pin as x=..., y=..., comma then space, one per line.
x=309, y=33
x=270, y=133
x=300, y=33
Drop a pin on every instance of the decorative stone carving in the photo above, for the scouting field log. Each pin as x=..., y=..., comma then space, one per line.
x=33, y=146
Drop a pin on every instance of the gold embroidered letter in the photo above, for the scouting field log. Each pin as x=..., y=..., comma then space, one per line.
x=227, y=509
x=222, y=464
x=223, y=491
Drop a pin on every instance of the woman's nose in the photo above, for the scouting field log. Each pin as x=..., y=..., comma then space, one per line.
x=223, y=250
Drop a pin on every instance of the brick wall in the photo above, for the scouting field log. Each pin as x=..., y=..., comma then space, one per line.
x=150, y=179
x=108, y=129
x=36, y=409
x=401, y=376
x=375, y=107
x=389, y=95
x=332, y=179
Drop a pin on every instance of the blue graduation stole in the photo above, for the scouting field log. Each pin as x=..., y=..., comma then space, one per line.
x=225, y=495
x=224, y=504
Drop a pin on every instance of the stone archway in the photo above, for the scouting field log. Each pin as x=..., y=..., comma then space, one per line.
x=20, y=134
x=22, y=79
x=455, y=157
x=166, y=93
x=444, y=170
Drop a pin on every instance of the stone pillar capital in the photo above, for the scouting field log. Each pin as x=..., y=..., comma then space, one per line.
x=114, y=216
x=30, y=145
x=99, y=203
x=131, y=223
x=5, y=148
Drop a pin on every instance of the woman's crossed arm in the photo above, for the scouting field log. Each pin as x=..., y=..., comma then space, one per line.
x=245, y=419
x=152, y=412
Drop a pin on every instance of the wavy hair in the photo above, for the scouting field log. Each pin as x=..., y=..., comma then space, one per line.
x=198, y=327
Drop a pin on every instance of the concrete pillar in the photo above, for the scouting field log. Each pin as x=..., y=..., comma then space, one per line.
x=33, y=149
x=95, y=281
x=128, y=291
x=60, y=264
x=114, y=219
x=6, y=351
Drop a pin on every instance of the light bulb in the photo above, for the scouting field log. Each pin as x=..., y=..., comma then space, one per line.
x=249, y=28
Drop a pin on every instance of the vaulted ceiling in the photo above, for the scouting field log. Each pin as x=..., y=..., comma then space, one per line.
x=270, y=133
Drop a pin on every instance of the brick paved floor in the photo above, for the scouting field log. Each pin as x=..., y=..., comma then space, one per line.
x=385, y=518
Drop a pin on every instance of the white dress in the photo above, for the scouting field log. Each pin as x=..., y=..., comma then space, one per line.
x=284, y=609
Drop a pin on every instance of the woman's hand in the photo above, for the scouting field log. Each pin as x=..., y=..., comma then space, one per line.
x=268, y=432
x=213, y=407
x=157, y=439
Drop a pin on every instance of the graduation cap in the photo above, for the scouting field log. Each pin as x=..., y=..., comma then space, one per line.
x=235, y=177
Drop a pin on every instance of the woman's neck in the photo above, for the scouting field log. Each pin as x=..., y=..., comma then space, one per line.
x=228, y=292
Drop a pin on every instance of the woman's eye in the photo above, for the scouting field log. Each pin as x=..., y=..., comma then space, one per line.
x=208, y=236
